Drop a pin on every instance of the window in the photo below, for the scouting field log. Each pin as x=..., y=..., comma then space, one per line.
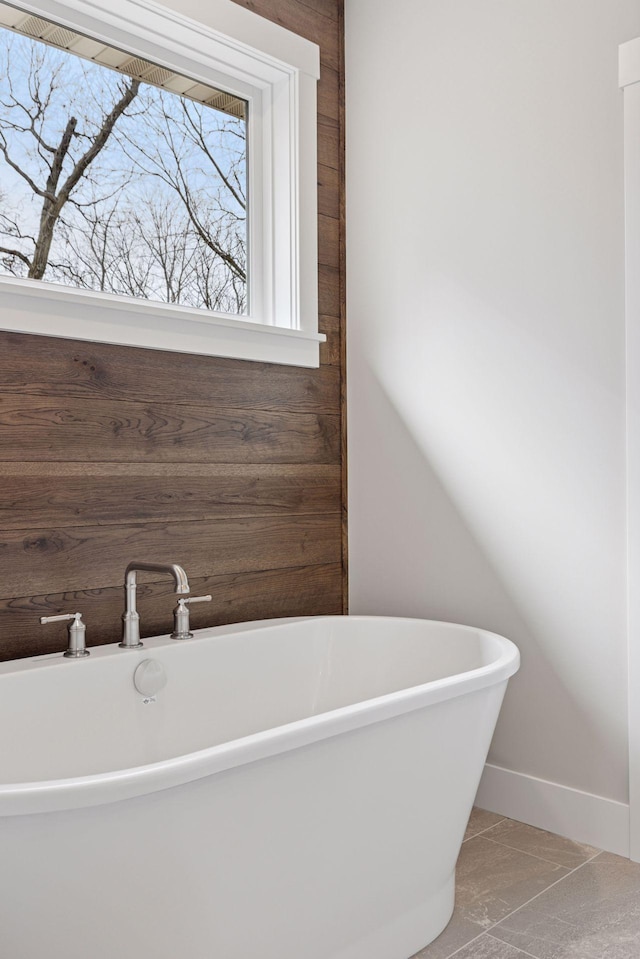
x=157, y=179
x=112, y=179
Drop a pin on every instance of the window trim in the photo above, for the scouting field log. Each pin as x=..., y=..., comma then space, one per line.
x=277, y=72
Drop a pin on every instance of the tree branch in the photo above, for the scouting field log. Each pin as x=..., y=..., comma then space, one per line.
x=103, y=135
x=202, y=143
x=21, y=256
x=20, y=171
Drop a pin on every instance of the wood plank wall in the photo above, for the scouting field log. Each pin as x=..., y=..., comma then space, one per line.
x=233, y=469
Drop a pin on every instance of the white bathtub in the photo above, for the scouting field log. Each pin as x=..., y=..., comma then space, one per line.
x=298, y=790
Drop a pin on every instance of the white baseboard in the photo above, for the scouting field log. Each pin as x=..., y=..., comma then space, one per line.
x=578, y=815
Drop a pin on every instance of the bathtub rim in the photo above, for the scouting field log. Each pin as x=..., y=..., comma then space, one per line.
x=55, y=795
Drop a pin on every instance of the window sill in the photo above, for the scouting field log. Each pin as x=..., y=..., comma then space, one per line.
x=31, y=306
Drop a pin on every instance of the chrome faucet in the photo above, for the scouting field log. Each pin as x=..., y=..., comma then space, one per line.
x=131, y=617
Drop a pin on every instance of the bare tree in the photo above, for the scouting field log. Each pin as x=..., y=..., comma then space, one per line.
x=219, y=222
x=11, y=228
x=49, y=184
x=94, y=252
x=119, y=187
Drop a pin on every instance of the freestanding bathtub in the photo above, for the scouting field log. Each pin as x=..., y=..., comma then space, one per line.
x=299, y=789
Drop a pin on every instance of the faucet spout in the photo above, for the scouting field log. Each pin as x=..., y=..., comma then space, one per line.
x=131, y=617
x=178, y=573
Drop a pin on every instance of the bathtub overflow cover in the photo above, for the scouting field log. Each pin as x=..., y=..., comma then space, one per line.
x=150, y=677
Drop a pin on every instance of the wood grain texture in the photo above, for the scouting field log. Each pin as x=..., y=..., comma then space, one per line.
x=330, y=350
x=329, y=93
x=328, y=192
x=52, y=367
x=90, y=556
x=57, y=495
x=328, y=8
x=328, y=143
x=329, y=241
x=330, y=297
x=135, y=432
x=233, y=469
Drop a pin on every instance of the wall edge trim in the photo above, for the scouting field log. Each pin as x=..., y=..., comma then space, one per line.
x=573, y=813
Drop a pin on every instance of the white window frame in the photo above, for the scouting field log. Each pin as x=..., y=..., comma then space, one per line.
x=276, y=71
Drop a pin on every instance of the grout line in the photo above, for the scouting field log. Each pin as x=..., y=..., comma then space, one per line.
x=513, y=911
x=486, y=829
x=552, y=862
x=503, y=943
x=542, y=891
x=471, y=941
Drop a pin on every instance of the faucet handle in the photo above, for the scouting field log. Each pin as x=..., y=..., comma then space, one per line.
x=77, y=633
x=181, y=616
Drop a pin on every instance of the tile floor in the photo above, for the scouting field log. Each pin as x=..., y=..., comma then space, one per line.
x=522, y=893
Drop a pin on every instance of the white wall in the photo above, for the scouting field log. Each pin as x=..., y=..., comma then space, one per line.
x=486, y=350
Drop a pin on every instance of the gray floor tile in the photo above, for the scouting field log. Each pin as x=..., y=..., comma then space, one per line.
x=486, y=947
x=537, y=842
x=458, y=933
x=491, y=881
x=479, y=820
x=592, y=914
x=611, y=857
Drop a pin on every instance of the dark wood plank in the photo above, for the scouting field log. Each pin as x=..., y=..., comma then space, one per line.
x=330, y=351
x=329, y=292
x=328, y=8
x=293, y=10
x=329, y=242
x=60, y=495
x=47, y=366
x=328, y=143
x=328, y=93
x=35, y=428
x=298, y=591
x=90, y=557
x=328, y=194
